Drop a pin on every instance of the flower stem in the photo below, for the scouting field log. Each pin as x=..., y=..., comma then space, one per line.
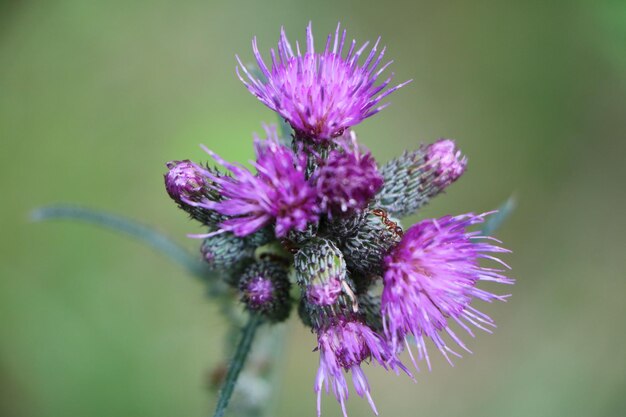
x=237, y=363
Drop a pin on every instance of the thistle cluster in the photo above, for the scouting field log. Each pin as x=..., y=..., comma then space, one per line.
x=317, y=212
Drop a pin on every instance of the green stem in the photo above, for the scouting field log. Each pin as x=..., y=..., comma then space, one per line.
x=155, y=239
x=237, y=363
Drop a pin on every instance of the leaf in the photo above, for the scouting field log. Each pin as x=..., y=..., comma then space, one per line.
x=496, y=220
x=145, y=234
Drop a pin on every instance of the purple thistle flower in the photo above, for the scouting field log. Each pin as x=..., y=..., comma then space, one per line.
x=278, y=192
x=446, y=162
x=320, y=94
x=348, y=179
x=343, y=346
x=430, y=280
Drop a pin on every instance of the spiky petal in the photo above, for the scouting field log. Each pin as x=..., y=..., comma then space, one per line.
x=320, y=93
x=430, y=280
x=279, y=192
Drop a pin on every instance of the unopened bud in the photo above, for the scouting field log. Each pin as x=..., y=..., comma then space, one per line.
x=264, y=287
x=365, y=250
x=187, y=184
x=413, y=178
x=225, y=250
x=323, y=277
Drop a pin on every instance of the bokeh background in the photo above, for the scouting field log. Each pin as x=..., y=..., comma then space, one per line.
x=95, y=96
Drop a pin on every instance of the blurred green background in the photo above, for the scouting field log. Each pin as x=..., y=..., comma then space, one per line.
x=96, y=96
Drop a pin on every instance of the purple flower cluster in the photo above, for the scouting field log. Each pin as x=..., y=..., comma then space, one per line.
x=319, y=206
x=324, y=293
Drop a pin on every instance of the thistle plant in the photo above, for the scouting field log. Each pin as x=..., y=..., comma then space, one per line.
x=314, y=226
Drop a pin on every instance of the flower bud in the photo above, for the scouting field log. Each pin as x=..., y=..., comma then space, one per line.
x=225, y=250
x=186, y=184
x=369, y=307
x=264, y=287
x=413, y=178
x=322, y=275
x=365, y=250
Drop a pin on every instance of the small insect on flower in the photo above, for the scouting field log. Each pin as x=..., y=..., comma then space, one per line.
x=390, y=224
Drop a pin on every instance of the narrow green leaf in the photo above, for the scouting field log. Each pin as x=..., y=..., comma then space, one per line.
x=236, y=364
x=145, y=234
x=496, y=220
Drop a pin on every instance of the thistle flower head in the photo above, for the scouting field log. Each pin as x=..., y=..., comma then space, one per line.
x=348, y=179
x=320, y=93
x=430, y=280
x=446, y=161
x=343, y=346
x=279, y=192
